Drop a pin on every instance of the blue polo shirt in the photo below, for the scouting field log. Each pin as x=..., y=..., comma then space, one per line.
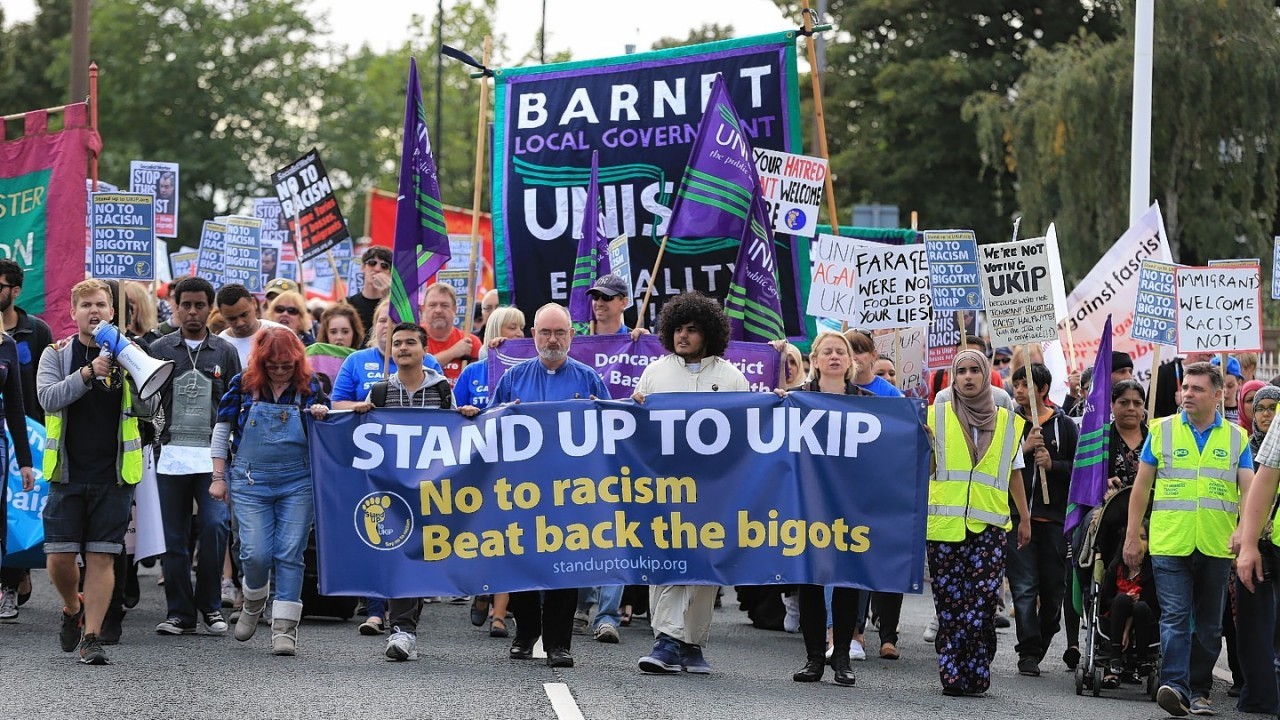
x=362, y=369
x=1148, y=457
x=531, y=381
x=472, y=387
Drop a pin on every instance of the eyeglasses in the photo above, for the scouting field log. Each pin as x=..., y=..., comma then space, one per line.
x=1271, y=409
x=287, y=309
x=1001, y=360
x=557, y=334
x=6, y=286
x=280, y=367
x=374, y=262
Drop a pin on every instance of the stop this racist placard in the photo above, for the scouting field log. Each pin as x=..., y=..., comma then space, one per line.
x=308, y=205
x=870, y=286
x=1019, y=293
x=792, y=186
x=1219, y=309
x=161, y=180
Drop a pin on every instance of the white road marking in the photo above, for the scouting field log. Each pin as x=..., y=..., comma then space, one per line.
x=562, y=701
x=539, y=652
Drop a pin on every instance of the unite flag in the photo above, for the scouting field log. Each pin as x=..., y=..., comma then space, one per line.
x=1093, y=451
x=421, y=245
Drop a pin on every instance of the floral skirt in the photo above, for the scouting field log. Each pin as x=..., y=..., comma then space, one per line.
x=966, y=590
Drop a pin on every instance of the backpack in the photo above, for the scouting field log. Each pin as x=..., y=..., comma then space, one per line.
x=378, y=394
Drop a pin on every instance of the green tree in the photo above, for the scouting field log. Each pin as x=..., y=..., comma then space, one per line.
x=1066, y=129
x=27, y=52
x=898, y=73
x=708, y=32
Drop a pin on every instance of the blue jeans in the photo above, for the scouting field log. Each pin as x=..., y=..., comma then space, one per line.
x=1036, y=574
x=1190, y=587
x=214, y=522
x=274, y=511
x=608, y=599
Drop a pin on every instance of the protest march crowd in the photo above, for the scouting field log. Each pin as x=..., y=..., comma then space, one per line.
x=1126, y=515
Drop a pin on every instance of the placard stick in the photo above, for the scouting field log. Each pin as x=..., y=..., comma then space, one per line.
x=296, y=239
x=339, y=286
x=662, y=248
x=816, y=83
x=897, y=354
x=475, y=197
x=1222, y=370
x=1155, y=377
x=1071, y=350
x=1035, y=423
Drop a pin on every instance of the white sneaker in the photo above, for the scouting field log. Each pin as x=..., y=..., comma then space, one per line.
x=856, y=651
x=402, y=646
x=9, y=606
x=229, y=592
x=791, y=623
x=931, y=632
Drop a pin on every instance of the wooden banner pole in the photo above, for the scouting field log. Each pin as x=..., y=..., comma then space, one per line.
x=1035, y=423
x=662, y=248
x=481, y=116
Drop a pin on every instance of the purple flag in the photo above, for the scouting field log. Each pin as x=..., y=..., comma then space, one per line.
x=721, y=197
x=1093, y=452
x=421, y=243
x=593, y=249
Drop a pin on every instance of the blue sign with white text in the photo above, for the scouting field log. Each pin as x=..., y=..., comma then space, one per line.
x=953, y=270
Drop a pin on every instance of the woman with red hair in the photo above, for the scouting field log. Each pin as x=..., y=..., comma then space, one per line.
x=260, y=428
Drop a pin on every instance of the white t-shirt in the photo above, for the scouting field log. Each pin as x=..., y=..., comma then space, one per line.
x=244, y=345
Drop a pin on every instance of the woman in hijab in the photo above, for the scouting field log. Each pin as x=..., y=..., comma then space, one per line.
x=1245, y=404
x=978, y=467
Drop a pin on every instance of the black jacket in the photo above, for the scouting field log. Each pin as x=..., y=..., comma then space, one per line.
x=32, y=336
x=1060, y=437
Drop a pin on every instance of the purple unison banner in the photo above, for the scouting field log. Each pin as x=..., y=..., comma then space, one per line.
x=641, y=113
x=621, y=361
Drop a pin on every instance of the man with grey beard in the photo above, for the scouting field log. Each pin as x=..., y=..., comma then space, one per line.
x=553, y=375
x=449, y=345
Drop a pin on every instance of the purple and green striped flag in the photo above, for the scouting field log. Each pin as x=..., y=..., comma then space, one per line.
x=1093, y=451
x=721, y=196
x=421, y=243
x=593, y=249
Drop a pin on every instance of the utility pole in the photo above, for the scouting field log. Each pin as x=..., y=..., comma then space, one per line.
x=79, y=81
x=438, y=130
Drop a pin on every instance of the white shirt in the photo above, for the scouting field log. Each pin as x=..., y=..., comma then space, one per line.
x=245, y=345
x=669, y=373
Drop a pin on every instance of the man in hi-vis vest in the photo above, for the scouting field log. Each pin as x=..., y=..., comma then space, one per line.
x=1201, y=468
x=92, y=460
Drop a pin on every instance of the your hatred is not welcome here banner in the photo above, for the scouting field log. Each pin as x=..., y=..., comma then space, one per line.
x=641, y=112
x=706, y=488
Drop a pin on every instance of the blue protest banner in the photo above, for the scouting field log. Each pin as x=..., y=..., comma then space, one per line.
x=211, y=264
x=954, y=278
x=244, y=252
x=1154, y=307
x=641, y=113
x=124, y=236
x=620, y=362
x=24, y=543
x=712, y=488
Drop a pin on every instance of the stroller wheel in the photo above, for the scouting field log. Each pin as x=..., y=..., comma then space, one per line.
x=1097, y=682
x=1079, y=680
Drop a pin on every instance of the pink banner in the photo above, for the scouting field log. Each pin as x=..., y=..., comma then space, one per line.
x=42, y=210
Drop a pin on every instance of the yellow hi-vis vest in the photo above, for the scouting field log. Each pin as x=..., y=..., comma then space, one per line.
x=964, y=496
x=1196, y=501
x=128, y=460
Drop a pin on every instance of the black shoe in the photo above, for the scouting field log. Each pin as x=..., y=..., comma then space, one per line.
x=811, y=672
x=91, y=652
x=1029, y=667
x=72, y=627
x=132, y=593
x=521, y=651
x=559, y=658
x=952, y=691
x=844, y=670
x=112, y=626
x=1234, y=691
x=1003, y=621
x=1071, y=657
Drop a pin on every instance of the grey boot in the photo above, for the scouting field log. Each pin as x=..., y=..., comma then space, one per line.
x=284, y=627
x=255, y=601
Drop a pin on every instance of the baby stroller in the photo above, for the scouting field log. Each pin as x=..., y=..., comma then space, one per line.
x=1100, y=546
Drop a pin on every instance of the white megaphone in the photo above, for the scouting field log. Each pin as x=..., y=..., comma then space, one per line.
x=149, y=374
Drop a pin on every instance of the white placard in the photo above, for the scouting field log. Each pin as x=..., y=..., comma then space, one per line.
x=873, y=287
x=910, y=362
x=1019, y=293
x=1219, y=309
x=792, y=186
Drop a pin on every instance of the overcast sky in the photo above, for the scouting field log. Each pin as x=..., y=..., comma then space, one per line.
x=586, y=28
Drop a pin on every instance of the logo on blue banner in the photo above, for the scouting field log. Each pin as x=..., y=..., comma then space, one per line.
x=384, y=520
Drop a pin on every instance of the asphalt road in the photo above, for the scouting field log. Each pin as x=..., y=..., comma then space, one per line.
x=462, y=673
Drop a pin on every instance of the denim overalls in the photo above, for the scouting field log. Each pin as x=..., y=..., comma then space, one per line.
x=271, y=488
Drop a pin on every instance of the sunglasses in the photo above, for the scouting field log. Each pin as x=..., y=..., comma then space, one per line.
x=280, y=367
x=1001, y=361
x=374, y=262
x=291, y=310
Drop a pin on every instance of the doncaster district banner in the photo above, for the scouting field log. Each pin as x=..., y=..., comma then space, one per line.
x=640, y=113
x=712, y=488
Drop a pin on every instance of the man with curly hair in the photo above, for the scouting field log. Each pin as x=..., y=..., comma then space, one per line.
x=695, y=331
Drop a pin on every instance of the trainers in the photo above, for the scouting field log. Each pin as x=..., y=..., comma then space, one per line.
x=1171, y=701
x=931, y=632
x=691, y=658
x=664, y=658
x=229, y=593
x=580, y=623
x=402, y=646
x=72, y=625
x=9, y=606
x=1028, y=666
x=214, y=623
x=607, y=633
x=1202, y=706
x=91, y=652
x=856, y=651
x=175, y=626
